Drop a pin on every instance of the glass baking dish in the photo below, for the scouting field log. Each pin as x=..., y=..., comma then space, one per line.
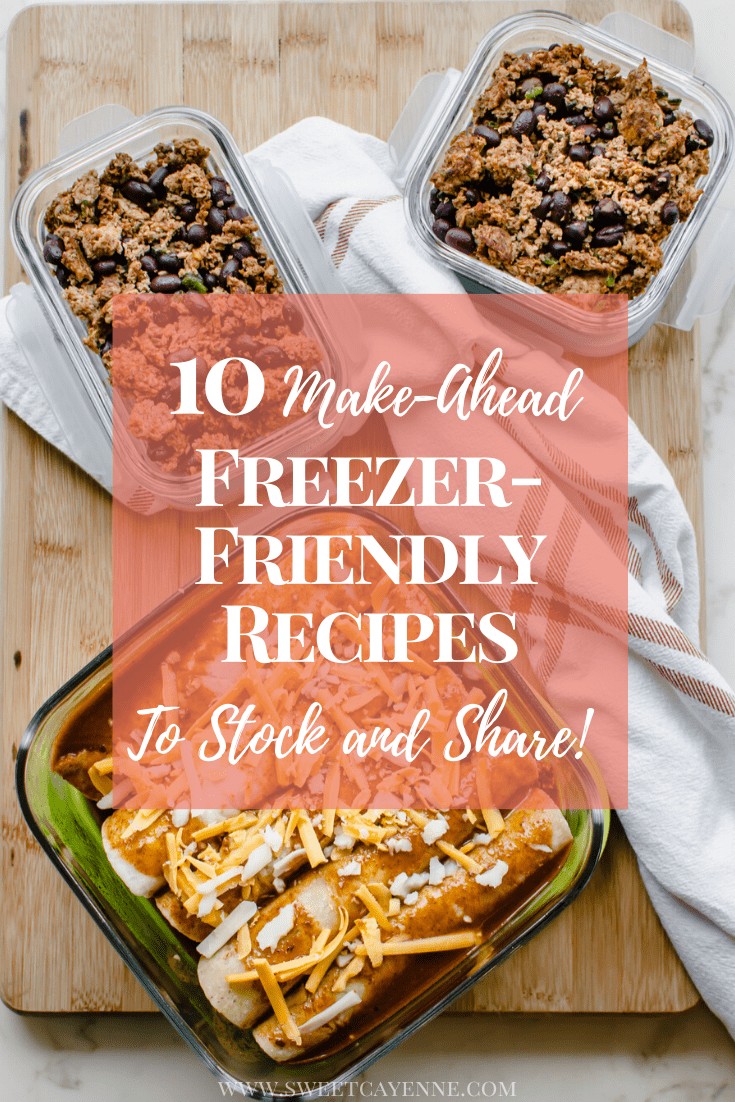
x=73, y=378
x=67, y=826
x=441, y=108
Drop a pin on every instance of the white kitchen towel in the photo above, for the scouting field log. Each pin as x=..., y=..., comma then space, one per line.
x=681, y=815
x=19, y=389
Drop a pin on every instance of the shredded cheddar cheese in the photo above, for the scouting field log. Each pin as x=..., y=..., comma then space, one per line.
x=444, y=943
x=468, y=863
x=277, y=1001
x=310, y=842
x=372, y=906
x=494, y=822
x=370, y=934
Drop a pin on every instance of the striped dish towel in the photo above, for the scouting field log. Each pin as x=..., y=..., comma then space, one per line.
x=681, y=807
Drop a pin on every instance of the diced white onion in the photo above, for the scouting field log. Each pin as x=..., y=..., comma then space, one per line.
x=227, y=928
x=344, y=1002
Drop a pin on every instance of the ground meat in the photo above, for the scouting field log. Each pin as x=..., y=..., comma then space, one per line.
x=570, y=176
x=171, y=226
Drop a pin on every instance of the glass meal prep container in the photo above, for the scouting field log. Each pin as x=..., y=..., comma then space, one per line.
x=73, y=378
x=67, y=825
x=441, y=106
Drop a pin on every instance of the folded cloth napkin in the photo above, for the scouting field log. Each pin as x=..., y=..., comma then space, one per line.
x=681, y=814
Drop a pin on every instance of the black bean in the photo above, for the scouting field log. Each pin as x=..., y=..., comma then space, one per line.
x=606, y=212
x=187, y=212
x=531, y=87
x=216, y=219
x=487, y=185
x=576, y=120
x=271, y=325
x=243, y=250
x=669, y=213
x=235, y=213
x=148, y=264
x=523, y=123
x=540, y=111
x=608, y=131
x=669, y=117
x=590, y=132
x=460, y=239
x=271, y=356
x=104, y=267
x=446, y=211
x=209, y=280
x=542, y=181
x=221, y=194
x=53, y=249
x=547, y=78
x=159, y=452
x=62, y=275
x=170, y=262
x=185, y=353
x=433, y=200
x=604, y=109
x=197, y=303
x=543, y=208
x=490, y=136
x=196, y=234
x=607, y=236
x=192, y=429
x=293, y=317
x=230, y=268
x=575, y=233
x=598, y=151
x=579, y=152
x=554, y=46
x=659, y=184
x=440, y=228
x=139, y=193
x=558, y=249
x=555, y=94
x=560, y=206
x=157, y=177
x=171, y=394
x=705, y=131
x=165, y=284
x=471, y=197
x=185, y=460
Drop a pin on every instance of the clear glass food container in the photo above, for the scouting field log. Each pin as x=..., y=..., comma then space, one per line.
x=72, y=377
x=686, y=286
x=67, y=826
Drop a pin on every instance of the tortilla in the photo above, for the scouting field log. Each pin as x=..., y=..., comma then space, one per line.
x=530, y=844
x=318, y=897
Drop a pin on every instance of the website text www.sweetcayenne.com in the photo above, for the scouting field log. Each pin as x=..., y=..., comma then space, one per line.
x=396, y=1088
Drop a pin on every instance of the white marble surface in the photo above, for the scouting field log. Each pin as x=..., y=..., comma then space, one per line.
x=684, y=1058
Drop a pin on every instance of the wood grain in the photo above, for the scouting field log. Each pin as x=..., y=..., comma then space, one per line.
x=260, y=67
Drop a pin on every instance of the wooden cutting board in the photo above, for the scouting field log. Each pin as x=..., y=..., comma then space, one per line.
x=260, y=67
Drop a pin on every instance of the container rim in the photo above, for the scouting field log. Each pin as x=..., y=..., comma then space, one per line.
x=599, y=819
